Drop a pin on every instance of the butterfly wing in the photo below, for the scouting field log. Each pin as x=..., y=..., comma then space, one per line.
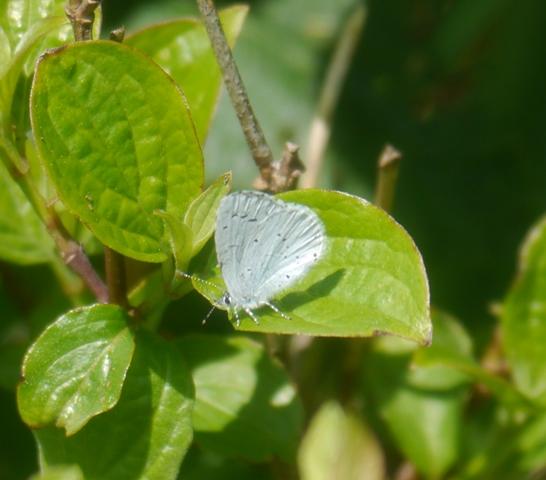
x=296, y=240
x=264, y=245
x=239, y=222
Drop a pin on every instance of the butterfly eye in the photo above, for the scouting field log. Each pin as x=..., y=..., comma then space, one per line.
x=226, y=299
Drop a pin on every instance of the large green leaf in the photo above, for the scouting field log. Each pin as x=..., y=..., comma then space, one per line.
x=146, y=435
x=118, y=140
x=23, y=237
x=524, y=317
x=245, y=405
x=338, y=445
x=76, y=368
x=371, y=279
x=182, y=48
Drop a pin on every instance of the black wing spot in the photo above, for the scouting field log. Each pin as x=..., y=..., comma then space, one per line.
x=255, y=240
x=224, y=227
x=287, y=276
x=244, y=215
x=233, y=215
x=252, y=219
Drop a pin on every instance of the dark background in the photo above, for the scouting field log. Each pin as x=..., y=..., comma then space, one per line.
x=457, y=86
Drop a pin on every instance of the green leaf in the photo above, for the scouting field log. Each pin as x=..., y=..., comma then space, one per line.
x=371, y=280
x=201, y=214
x=202, y=464
x=145, y=435
x=449, y=362
x=338, y=445
x=182, y=48
x=180, y=238
x=524, y=317
x=5, y=50
x=17, y=17
x=71, y=472
x=76, y=368
x=445, y=363
x=9, y=74
x=424, y=421
x=245, y=405
x=23, y=237
x=531, y=444
x=118, y=141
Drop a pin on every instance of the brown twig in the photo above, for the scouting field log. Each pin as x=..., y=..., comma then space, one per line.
x=115, y=277
x=81, y=14
x=319, y=133
x=285, y=173
x=118, y=34
x=251, y=128
x=388, y=164
x=74, y=257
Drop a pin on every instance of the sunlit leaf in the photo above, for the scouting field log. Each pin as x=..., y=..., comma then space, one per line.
x=339, y=445
x=118, y=141
x=76, y=368
x=245, y=405
x=145, y=435
x=524, y=318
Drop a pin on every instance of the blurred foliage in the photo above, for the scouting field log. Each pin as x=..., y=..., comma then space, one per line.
x=457, y=87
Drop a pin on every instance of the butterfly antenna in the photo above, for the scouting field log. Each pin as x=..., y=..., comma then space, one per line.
x=189, y=276
x=208, y=315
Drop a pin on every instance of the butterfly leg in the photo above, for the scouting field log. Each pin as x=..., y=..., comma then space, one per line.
x=237, y=319
x=274, y=308
x=251, y=315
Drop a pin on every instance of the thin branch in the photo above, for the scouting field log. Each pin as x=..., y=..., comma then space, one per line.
x=70, y=252
x=74, y=257
x=285, y=173
x=319, y=134
x=388, y=164
x=81, y=14
x=115, y=277
x=251, y=128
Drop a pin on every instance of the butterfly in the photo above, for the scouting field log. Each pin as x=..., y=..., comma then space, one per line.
x=263, y=245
